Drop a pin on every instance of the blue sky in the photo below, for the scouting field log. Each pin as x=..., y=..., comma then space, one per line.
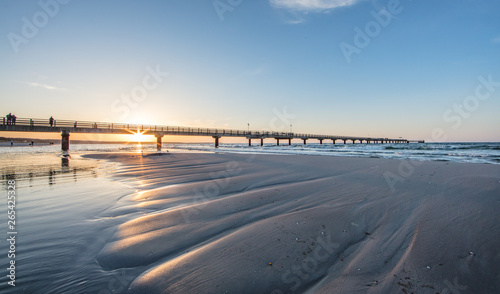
x=270, y=63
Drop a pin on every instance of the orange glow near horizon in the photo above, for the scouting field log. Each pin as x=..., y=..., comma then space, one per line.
x=114, y=138
x=138, y=137
x=148, y=138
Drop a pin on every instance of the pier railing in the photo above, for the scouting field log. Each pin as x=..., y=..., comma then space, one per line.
x=47, y=125
x=70, y=124
x=30, y=122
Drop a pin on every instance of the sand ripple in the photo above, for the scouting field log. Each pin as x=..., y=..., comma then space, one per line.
x=284, y=224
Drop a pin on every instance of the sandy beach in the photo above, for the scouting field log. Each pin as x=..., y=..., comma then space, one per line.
x=243, y=223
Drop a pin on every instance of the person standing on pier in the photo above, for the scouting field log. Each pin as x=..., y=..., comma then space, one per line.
x=51, y=121
x=9, y=118
x=13, y=119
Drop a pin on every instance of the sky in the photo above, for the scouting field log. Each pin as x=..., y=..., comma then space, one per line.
x=413, y=69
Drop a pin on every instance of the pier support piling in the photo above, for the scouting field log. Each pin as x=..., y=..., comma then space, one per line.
x=158, y=142
x=277, y=142
x=289, y=141
x=249, y=142
x=65, y=141
x=261, y=142
x=320, y=141
x=216, y=141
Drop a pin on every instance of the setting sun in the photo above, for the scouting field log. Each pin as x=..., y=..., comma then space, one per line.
x=138, y=137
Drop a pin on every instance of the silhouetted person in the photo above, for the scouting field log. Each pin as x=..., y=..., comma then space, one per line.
x=32, y=143
x=13, y=119
x=9, y=118
x=11, y=142
x=51, y=121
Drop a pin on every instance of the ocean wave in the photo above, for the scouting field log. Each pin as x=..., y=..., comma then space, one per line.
x=455, y=152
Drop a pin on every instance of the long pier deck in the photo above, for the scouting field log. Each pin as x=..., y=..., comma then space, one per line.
x=65, y=127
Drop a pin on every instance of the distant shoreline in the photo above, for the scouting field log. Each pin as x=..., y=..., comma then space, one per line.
x=58, y=141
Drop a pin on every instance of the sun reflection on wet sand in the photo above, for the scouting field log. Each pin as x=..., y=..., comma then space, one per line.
x=38, y=170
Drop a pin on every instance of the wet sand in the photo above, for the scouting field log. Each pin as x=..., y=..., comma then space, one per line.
x=241, y=223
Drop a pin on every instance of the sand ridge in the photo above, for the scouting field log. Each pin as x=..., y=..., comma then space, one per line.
x=234, y=223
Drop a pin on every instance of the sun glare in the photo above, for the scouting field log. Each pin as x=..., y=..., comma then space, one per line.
x=138, y=137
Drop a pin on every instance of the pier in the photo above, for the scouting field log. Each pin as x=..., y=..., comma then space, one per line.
x=66, y=127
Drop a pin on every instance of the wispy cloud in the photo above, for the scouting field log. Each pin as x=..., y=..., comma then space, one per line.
x=311, y=5
x=45, y=86
x=295, y=21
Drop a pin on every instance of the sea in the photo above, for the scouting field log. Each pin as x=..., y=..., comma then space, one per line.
x=65, y=209
x=46, y=161
x=483, y=152
x=488, y=153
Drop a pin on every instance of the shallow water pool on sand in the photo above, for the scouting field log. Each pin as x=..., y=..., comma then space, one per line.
x=60, y=226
